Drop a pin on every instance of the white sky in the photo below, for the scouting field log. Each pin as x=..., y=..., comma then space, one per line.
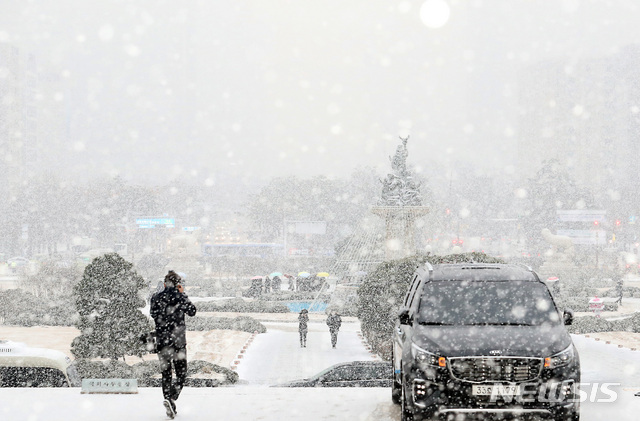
x=286, y=87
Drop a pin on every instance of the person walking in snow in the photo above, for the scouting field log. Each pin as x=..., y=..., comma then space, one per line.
x=334, y=321
x=619, y=290
x=276, y=283
x=168, y=308
x=292, y=282
x=303, y=319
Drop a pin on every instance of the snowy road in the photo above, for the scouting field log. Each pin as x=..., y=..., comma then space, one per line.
x=276, y=356
x=606, y=363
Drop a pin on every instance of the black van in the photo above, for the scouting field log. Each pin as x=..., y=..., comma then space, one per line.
x=484, y=340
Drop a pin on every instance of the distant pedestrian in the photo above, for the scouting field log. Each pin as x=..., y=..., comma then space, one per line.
x=303, y=319
x=619, y=290
x=334, y=321
x=276, y=283
x=267, y=285
x=168, y=308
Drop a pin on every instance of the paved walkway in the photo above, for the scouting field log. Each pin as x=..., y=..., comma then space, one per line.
x=276, y=356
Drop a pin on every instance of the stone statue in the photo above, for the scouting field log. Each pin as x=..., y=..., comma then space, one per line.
x=399, y=160
x=399, y=188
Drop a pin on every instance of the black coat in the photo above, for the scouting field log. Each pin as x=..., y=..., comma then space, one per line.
x=303, y=319
x=168, y=308
x=334, y=322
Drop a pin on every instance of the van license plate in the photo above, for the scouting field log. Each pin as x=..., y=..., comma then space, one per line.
x=495, y=390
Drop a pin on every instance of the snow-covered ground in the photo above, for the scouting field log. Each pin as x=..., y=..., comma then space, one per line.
x=276, y=356
x=201, y=404
x=272, y=357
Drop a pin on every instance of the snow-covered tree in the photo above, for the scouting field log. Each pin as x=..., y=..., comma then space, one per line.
x=53, y=281
x=108, y=300
x=552, y=188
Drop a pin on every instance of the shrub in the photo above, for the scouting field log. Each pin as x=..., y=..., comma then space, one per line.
x=297, y=296
x=581, y=304
x=590, y=324
x=626, y=291
x=21, y=308
x=631, y=324
x=238, y=305
x=146, y=372
x=240, y=323
x=113, y=369
x=108, y=300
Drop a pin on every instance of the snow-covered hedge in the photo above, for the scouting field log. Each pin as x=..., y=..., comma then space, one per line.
x=581, y=304
x=21, y=308
x=199, y=373
x=238, y=305
x=593, y=324
x=626, y=291
x=240, y=323
x=590, y=324
x=298, y=296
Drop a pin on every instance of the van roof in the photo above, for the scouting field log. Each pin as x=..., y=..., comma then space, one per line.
x=482, y=272
x=18, y=354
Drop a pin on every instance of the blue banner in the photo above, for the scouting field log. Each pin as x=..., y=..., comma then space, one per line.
x=155, y=221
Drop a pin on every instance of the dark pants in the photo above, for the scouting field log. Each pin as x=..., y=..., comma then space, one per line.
x=303, y=337
x=172, y=358
x=334, y=336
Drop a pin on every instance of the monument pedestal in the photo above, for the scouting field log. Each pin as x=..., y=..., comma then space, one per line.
x=563, y=269
x=400, y=224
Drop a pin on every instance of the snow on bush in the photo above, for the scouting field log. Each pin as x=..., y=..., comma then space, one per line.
x=199, y=373
x=240, y=323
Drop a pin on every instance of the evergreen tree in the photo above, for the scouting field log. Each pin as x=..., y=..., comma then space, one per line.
x=551, y=189
x=108, y=300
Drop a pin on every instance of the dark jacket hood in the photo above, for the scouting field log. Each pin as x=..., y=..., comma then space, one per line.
x=457, y=341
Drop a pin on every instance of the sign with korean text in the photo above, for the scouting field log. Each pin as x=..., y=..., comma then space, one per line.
x=109, y=386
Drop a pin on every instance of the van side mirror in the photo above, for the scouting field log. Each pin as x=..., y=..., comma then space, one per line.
x=404, y=317
x=567, y=316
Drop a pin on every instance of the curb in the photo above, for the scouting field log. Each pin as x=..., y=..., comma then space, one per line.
x=234, y=365
x=367, y=346
x=609, y=342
